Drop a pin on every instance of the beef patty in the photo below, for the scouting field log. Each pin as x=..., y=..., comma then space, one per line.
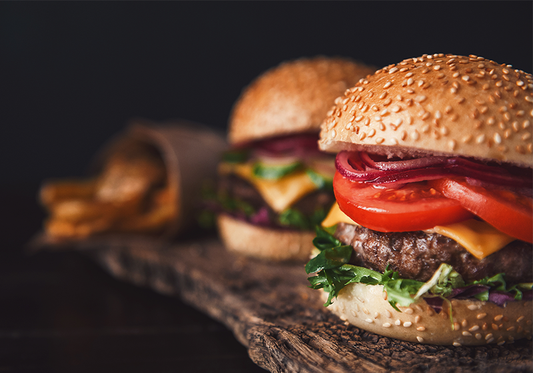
x=417, y=255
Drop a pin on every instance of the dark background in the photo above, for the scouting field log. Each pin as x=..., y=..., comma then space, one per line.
x=72, y=74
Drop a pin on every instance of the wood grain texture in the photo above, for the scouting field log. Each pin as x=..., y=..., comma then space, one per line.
x=281, y=321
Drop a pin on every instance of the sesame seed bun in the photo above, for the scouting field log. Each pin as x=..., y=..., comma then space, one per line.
x=438, y=104
x=264, y=243
x=474, y=322
x=293, y=97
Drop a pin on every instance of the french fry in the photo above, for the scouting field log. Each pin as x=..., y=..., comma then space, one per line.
x=78, y=210
x=129, y=177
x=55, y=191
x=60, y=228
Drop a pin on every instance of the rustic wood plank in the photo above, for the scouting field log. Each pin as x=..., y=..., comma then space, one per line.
x=271, y=310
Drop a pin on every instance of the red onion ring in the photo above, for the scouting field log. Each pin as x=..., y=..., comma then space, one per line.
x=358, y=166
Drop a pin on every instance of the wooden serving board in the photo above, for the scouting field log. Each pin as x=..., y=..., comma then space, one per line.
x=281, y=321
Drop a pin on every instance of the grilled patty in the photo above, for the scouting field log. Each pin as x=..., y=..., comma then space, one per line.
x=417, y=255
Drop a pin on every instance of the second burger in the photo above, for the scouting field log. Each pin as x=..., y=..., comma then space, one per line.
x=275, y=185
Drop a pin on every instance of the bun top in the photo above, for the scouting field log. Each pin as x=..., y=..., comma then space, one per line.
x=438, y=104
x=291, y=98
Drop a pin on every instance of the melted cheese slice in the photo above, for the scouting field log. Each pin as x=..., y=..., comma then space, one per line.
x=478, y=237
x=279, y=194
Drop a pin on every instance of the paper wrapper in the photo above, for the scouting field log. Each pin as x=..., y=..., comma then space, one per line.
x=190, y=153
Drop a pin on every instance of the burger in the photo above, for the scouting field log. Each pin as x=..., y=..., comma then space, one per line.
x=430, y=238
x=275, y=185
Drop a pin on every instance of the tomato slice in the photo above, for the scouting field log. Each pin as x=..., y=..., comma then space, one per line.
x=505, y=210
x=414, y=206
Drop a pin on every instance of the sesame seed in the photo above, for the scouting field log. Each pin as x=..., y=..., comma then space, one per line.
x=436, y=67
x=384, y=112
x=387, y=325
x=501, y=343
x=526, y=136
x=529, y=99
x=358, y=118
x=393, y=70
x=372, y=132
x=387, y=85
x=520, y=318
x=498, y=317
x=382, y=127
x=403, y=135
x=488, y=336
x=418, y=318
x=448, y=109
x=457, y=344
x=380, y=140
x=410, y=81
x=480, y=139
x=452, y=144
x=507, y=133
x=438, y=114
x=478, y=336
x=474, y=328
x=387, y=102
x=466, y=78
x=421, y=329
x=497, y=138
x=464, y=323
x=409, y=90
x=377, y=118
x=455, y=75
x=397, y=122
x=472, y=307
x=332, y=134
x=407, y=324
x=370, y=321
x=467, y=334
x=419, y=339
x=490, y=340
x=420, y=98
x=398, y=322
x=511, y=328
x=453, y=90
x=415, y=135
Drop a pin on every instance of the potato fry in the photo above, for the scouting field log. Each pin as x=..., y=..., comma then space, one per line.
x=77, y=210
x=60, y=228
x=129, y=178
x=55, y=191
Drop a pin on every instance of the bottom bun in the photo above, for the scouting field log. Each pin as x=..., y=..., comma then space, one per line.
x=473, y=323
x=264, y=243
